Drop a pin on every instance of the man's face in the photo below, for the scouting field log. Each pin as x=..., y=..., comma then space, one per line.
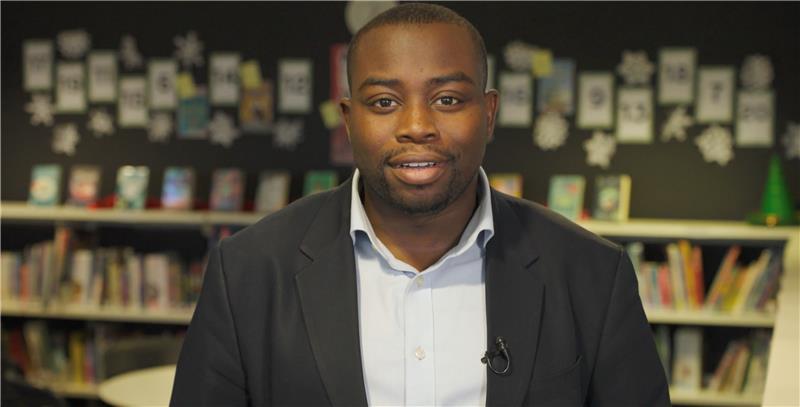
x=418, y=119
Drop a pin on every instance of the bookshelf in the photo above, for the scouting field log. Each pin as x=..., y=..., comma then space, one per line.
x=782, y=377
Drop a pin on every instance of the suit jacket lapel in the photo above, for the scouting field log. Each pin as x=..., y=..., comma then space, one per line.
x=329, y=299
x=514, y=300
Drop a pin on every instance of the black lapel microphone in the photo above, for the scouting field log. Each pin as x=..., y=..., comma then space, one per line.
x=501, y=349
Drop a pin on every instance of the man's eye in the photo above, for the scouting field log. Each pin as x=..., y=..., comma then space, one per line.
x=447, y=101
x=384, y=103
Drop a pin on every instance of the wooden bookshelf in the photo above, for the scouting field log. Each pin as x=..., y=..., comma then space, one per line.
x=688, y=229
x=86, y=313
x=712, y=398
x=71, y=389
x=705, y=318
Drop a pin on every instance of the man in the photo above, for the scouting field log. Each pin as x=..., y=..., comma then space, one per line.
x=414, y=283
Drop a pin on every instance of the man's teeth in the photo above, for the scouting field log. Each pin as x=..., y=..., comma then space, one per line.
x=417, y=165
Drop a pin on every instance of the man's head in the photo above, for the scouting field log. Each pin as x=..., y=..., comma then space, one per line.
x=418, y=118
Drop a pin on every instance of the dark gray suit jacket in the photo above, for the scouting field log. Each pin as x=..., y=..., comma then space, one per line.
x=277, y=320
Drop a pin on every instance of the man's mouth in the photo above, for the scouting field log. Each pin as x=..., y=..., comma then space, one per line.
x=425, y=164
x=418, y=169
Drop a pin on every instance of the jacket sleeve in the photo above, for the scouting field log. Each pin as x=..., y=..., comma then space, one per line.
x=628, y=371
x=209, y=368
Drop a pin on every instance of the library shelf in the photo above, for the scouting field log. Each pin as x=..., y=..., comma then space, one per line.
x=710, y=318
x=688, y=229
x=713, y=398
x=71, y=389
x=180, y=316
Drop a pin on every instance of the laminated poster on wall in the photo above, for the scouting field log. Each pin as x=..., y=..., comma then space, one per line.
x=227, y=190
x=272, y=192
x=635, y=115
x=295, y=86
x=84, y=185
x=193, y=113
x=676, y=71
x=566, y=195
x=45, y=186
x=132, y=187
x=556, y=91
x=178, y=188
x=256, y=110
x=542, y=63
x=516, y=104
x=102, y=72
x=132, y=105
x=755, y=117
x=223, y=78
x=162, y=78
x=595, y=100
x=37, y=62
x=70, y=87
x=715, y=87
x=757, y=72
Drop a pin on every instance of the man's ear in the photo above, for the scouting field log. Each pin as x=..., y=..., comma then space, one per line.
x=344, y=107
x=491, y=100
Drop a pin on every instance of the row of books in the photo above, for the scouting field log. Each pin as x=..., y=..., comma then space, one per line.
x=56, y=272
x=680, y=284
x=742, y=368
x=227, y=188
x=612, y=196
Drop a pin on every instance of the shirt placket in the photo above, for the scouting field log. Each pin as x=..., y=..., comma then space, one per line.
x=420, y=364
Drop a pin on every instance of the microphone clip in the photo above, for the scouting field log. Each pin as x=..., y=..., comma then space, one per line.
x=502, y=350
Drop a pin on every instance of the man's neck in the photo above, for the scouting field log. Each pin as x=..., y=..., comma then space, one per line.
x=421, y=240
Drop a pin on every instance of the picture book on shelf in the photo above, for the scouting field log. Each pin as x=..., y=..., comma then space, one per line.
x=687, y=368
x=566, y=195
x=45, y=186
x=272, y=193
x=84, y=185
x=318, y=181
x=132, y=187
x=509, y=184
x=612, y=197
x=227, y=190
x=178, y=191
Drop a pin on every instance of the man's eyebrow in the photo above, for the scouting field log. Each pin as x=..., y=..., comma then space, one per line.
x=453, y=77
x=389, y=83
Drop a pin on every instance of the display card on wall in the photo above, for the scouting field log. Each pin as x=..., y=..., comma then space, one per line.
x=295, y=86
x=193, y=113
x=715, y=95
x=162, y=75
x=634, y=115
x=676, y=75
x=70, y=87
x=102, y=66
x=516, y=104
x=595, y=100
x=223, y=80
x=555, y=92
x=37, y=56
x=132, y=105
x=256, y=110
x=755, y=118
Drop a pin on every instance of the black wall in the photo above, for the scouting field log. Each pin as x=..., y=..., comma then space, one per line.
x=670, y=180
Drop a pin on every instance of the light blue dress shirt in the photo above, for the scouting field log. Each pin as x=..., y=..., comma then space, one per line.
x=423, y=332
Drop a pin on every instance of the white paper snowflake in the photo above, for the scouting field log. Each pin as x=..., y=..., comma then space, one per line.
x=716, y=145
x=518, y=55
x=189, y=49
x=129, y=52
x=287, y=134
x=100, y=123
x=73, y=43
x=676, y=124
x=599, y=149
x=41, y=109
x=221, y=130
x=160, y=127
x=756, y=72
x=791, y=140
x=550, y=131
x=635, y=68
x=65, y=137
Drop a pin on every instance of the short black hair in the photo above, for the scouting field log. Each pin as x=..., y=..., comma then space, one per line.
x=419, y=13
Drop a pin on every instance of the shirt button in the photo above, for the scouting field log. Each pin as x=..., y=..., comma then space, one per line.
x=419, y=353
x=420, y=281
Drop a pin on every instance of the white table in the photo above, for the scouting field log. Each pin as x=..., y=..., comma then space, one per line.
x=145, y=387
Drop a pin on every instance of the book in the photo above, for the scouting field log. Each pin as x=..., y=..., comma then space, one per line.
x=694, y=292
x=178, y=188
x=687, y=368
x=724, y=367
x=132, y=187
x=755, y=271
x=45, y=186
x=227, y=190
x=735, y=381
x=612, y=197
x=318, y=181
x=509, y=184
x=84, y=185
x=723, y=279
x=677, y=276
x=272, y=193
x=757, y=369
x=156, y=281
x=566, y=195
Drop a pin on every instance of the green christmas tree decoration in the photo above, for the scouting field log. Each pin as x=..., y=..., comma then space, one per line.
x=776, y=205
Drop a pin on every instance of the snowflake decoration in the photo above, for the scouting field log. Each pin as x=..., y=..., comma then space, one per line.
x=550, y=131
x=41, y=110
x=129, y=53
x=73, y=43
x=287, y=134
x=100, y=123
x=160, y=127
x=675, y=127
x=716, y=145
x=599, y=149
x=756, y=72
x=791, y=140
x=635, y=68
x=222, y=131
x=518, y=55
x=65, y=137
x=189, y=49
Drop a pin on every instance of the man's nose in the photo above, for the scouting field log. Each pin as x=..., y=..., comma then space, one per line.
x=417, y=124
